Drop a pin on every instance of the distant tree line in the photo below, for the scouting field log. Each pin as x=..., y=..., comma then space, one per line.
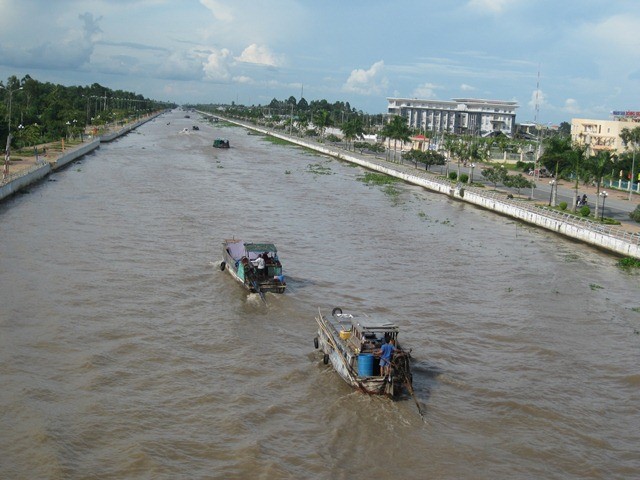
x=300, y=114
x=560, y=155
x=42, y=112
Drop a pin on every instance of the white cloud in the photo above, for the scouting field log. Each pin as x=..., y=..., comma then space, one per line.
x=218, y=9
x=260, y=55
x=537, y=98
x=181, y=65
x=367, y=82
x=217, y=65
x=467, y=88
x=425, y=91
x=243, y=79
x=571, y=106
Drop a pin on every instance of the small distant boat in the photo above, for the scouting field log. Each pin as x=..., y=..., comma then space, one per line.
x=255, y=265
x=352, y=343
x=221, y=143
x=195, y=127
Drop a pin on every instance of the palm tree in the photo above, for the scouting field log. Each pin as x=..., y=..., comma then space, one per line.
x=398, y=130
x=352, y=129
x=450, y=146
x=597, y=166
x=387, y=132
x=322, y=120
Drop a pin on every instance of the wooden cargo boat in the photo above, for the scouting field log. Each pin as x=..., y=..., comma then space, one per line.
x=353, y=343
x=255, y=265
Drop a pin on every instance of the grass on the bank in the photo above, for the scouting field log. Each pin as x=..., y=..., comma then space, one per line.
x=280, y=141
x=372, y=178
x=387, y=183
x=277, y=140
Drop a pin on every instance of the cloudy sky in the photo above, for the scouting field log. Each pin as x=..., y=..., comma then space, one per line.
x=587, y=52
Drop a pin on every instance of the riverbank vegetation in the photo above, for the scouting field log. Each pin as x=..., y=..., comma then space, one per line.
x=43, y=112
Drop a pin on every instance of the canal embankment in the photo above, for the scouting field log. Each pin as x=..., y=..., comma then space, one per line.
x=611, y=238
x=42, y=166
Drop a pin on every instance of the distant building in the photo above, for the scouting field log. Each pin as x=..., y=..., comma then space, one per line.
x=602, y=135
x=470, y=116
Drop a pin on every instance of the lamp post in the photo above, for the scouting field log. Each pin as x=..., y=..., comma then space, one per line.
x=604, y=196
x=552, y=183
x=473, y=165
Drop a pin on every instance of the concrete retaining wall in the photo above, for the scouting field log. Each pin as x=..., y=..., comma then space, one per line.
x=21, y=182
x=72, y=155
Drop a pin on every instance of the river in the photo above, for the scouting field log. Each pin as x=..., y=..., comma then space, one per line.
x=126, y=353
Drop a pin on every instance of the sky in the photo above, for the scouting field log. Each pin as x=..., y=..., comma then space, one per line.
x=558, y=59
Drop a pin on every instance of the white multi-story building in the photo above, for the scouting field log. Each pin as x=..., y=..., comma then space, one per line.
x=471, y=116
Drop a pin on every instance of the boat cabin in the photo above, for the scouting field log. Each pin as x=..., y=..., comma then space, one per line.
x=364, y=334
x=221, y=143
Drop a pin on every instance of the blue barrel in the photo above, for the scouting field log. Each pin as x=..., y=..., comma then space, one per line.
x=365, y=365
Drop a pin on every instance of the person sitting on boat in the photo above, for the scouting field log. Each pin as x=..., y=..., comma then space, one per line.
x=386, y=353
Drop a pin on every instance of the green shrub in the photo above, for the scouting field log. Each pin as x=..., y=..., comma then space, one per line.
x=562, y=205
x=464, y=178
x=585, y=211
x=635, y=215
x=453, y=176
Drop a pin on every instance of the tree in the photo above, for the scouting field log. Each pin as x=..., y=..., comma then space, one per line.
x=495, y=175
x=597, y=166
x=518, y=182
x=428, y=158
x=322, y=120
x=433, y=158
x=564, y=129
x=352, y=129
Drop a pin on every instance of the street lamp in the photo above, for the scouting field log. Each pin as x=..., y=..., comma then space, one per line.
x=552, y=183
x=473, y=165
x=604, y=196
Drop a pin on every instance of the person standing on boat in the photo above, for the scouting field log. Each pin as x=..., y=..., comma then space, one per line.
x=386, y=353
x=259, y=264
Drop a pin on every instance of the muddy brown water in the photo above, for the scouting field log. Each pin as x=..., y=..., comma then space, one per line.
x=126, y=353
